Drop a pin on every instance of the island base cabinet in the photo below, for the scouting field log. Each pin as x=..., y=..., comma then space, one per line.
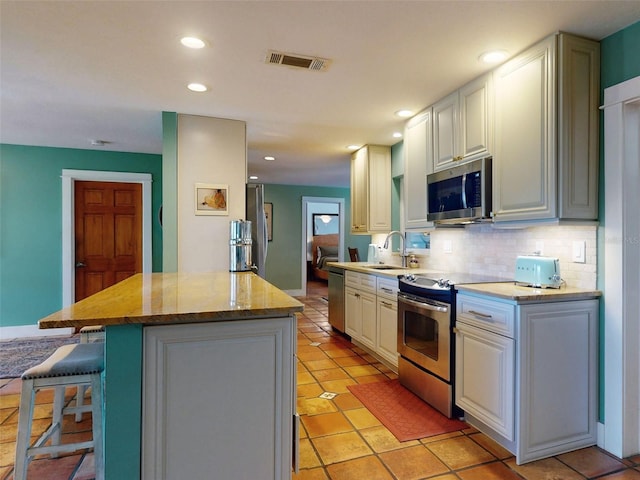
x=218, y=400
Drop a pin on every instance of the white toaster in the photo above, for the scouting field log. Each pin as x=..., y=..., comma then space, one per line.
x=537, y=271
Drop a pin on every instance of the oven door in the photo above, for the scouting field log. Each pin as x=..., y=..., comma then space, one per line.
x=424, y=334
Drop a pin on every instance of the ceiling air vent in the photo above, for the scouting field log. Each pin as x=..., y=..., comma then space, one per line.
x=298, y=61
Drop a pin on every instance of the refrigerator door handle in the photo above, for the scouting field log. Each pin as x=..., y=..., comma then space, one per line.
x=266, y=237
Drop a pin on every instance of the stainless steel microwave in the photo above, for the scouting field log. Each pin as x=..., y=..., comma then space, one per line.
x=461, y=194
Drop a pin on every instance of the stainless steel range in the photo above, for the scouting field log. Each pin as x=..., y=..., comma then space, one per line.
x=426, y=315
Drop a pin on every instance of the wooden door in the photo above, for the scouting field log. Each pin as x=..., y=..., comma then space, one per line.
x=108, y=234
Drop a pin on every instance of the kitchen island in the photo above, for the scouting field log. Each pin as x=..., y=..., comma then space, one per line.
x=199, y=375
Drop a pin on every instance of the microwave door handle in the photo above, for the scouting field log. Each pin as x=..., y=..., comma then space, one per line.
x=464, y=190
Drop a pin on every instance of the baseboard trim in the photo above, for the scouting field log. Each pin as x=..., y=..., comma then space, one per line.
x=27, y=331
x=293, y=293
x=600, y=435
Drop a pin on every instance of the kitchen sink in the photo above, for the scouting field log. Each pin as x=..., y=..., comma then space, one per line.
x=385, y=267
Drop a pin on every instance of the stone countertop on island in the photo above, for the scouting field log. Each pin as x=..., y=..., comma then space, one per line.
x=522, y=294
x=164, y=298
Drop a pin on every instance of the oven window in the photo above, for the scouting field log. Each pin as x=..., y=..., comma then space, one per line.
x=421, y=334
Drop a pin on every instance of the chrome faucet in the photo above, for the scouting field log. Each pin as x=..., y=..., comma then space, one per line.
x=403, y=253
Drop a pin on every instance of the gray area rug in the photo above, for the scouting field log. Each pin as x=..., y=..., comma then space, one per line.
x=16, y=356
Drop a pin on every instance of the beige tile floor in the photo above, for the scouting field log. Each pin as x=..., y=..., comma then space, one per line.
x=340, y=439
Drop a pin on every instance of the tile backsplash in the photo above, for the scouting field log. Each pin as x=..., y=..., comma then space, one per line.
x=493, y=251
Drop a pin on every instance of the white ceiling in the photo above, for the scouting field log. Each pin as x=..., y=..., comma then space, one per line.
x=75, y=71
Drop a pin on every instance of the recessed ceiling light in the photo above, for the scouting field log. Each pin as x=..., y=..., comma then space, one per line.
x=197, y=87
x=404, y=113
x=192, y=42
x=397, y=135
x=253, y=177
x=270, y=158
x=353, y=147
x=494, y=56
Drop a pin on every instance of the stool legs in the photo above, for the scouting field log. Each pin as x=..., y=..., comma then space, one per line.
x=24, y=452
x=27, y=400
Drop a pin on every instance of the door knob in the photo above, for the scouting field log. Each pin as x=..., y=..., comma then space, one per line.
x=80, y=264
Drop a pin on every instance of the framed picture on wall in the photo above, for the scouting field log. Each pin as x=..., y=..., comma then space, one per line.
x=268, y=213
x=212, y=199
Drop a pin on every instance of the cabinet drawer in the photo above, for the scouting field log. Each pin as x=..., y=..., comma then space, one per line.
x=494, y=316
x=387, y=288
x=361, y=281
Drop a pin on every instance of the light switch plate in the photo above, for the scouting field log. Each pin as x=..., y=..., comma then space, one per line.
x=447, y=246
x=579, y=251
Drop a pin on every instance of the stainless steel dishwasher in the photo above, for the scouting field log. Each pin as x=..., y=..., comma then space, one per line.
x=336, y=298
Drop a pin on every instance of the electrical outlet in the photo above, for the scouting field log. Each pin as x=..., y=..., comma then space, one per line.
x=579, y=251
x=448, y=248
x=539, y=248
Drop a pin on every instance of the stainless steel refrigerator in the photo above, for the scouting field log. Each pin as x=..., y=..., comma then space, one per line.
x=255, y=213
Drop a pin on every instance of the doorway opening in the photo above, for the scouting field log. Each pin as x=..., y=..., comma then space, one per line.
x=319, y=206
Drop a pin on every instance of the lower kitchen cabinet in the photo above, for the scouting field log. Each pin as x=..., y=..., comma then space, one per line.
x=526, y=373
x=360, y=316
x=370, y=309
x=242, y=374
x=387, y=324
x=484, y=378
x=360, y=307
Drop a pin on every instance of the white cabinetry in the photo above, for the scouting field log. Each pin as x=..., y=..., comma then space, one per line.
x=526, y=374
x=360, y=307
x=545, y=163
x=371, y=318
x=371, y=189
x=418, y=156
x=485, y=363
x=387, y=328
x=186, y=368
x=462, y=124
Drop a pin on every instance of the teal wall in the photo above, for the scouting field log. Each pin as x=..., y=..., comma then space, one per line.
x=284, y=258
x=620, y=56
x=31, y=222
x=619, y=61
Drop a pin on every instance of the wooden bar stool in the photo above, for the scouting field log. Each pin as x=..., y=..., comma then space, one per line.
x=70, y=365
x=93, y=333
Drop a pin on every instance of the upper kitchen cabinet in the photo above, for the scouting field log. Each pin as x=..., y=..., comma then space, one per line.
x=371, y=189
x=545, y=163
x=462, y=124
x=418, y=163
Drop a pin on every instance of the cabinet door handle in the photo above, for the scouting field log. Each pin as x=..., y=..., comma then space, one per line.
x=482, y=315
x=388, y=290
x=386, y=304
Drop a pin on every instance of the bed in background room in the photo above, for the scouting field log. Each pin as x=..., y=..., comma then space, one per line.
x=324, y=249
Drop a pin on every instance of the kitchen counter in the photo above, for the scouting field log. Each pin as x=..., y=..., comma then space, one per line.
x=163, y=298
x=521, y=294
x=172, y=341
